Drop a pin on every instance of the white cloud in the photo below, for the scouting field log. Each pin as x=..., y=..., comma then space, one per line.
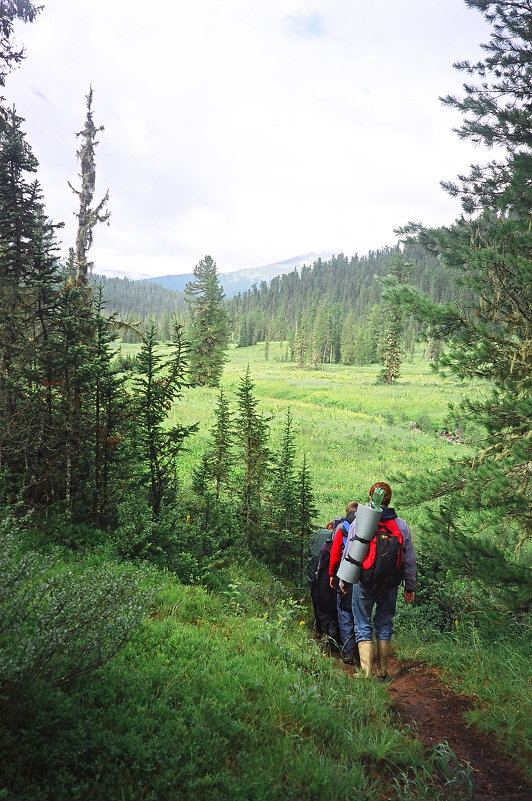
x=252, y=130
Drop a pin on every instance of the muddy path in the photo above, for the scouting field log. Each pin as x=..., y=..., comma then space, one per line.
x=436, y=715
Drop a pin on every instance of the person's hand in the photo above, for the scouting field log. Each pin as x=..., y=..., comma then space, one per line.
x=332, y=582
x=409, y=597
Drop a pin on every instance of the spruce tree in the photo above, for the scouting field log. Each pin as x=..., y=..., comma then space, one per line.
x=109, y=416
x=255, y=458
x=10, y=12
x=209, y=324
x=159, y=382
x=219, y=457
x=306, y=511
x=392, y=317
x=488, y=336
x=83, y=337
x=29, y=274
x=283, y=479
x=285, y=503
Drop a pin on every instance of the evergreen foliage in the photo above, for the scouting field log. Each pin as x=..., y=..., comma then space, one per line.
x=392, y=318
x=158, y=382
x=327, y=312
x=306, y=511
x=28, y=293
x=209, y=324
x=139, y=303
x=255, y=459
x=10, y=12
x=283, y=480
x=487, y=252
x=284, y=539
x=221, y=454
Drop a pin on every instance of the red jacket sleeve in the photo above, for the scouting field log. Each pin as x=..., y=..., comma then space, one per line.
x=336, y=552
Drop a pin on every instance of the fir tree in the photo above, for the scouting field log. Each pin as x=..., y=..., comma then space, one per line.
x=29, y=274
x=10, y=12
x=220, y=453
x=80, y=355
x=109, y=415
x=252, y=436
x=306, y=511
x=392, y=317
x=283, y=483
x=487, y=251
x=159, y=382
x=284, y=503
x=209, y=328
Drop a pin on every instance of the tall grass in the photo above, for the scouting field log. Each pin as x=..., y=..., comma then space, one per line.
x=353, y=430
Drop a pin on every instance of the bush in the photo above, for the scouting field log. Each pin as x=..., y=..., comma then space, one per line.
x=191, y=541
x=59, y=622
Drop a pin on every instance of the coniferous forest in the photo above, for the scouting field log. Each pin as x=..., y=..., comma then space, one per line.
x=166, y=457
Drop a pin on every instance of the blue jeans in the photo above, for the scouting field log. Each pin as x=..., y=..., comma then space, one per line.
x=346, y=626
x=364, y=599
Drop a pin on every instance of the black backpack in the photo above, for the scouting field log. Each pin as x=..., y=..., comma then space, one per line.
x=323, y=596
x=384, y=563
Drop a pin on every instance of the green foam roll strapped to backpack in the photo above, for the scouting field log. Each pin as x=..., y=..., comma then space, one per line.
x=367, y=520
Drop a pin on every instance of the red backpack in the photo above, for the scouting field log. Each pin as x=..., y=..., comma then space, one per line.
x=384, y=562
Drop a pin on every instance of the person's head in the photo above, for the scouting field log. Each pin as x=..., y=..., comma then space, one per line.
x=387, y=492
x=351, y=507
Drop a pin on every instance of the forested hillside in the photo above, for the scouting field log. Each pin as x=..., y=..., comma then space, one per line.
x=328, y=311
x=139, y=302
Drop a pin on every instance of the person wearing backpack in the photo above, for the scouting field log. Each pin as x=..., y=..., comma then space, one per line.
x=343, y=593
x=324, y=599
x=390, y=561
x=314, y=551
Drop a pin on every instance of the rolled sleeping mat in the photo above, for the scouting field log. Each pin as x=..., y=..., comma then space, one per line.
x=367, y=520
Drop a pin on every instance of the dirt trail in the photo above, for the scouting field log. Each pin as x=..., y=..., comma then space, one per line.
x=437, y=716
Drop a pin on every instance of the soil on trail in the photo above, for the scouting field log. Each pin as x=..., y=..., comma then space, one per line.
x=436, y=715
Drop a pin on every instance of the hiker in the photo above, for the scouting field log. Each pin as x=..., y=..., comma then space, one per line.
x=314, y=550
x=343, y=593
x=383, y=594
x=324, y=599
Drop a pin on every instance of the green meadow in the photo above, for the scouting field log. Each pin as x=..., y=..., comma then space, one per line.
x=353, y=430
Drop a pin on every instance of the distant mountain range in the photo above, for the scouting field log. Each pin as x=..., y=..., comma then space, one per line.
x=242, y=280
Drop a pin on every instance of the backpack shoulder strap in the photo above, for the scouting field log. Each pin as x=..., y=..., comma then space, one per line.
x=392, y=527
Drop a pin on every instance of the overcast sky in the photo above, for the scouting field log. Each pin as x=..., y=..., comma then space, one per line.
x=249, y=130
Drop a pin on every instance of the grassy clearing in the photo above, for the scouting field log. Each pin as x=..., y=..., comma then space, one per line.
x=353, y=430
